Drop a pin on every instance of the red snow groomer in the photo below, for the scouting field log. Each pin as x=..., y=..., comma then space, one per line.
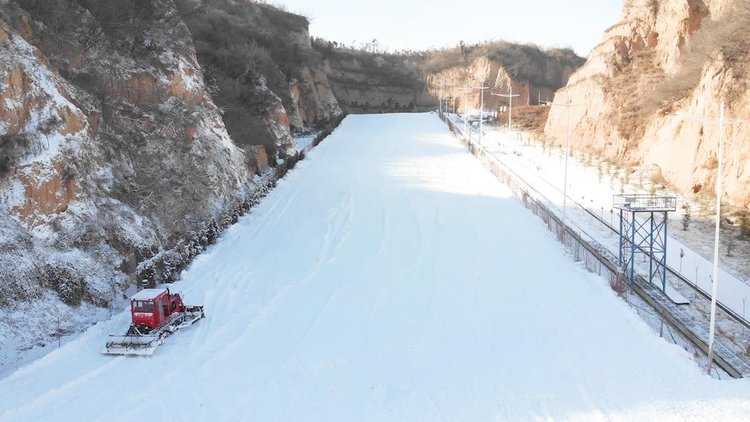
x=156, y=314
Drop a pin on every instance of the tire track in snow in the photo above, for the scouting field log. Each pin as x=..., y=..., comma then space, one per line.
x=339, y=223
x=339, y=228
x=231, y=295
x=333, y=236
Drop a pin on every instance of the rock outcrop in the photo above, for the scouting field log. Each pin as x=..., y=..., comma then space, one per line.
x=459, y=83
x=408, y=81
x=262, y=70
x=131, y=132
x=375, y=82
x=532, y=73
x=115, y=160
x=663, y=59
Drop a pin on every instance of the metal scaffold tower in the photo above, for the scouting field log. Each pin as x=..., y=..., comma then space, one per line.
x=643, y=231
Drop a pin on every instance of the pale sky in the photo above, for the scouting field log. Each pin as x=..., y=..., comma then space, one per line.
x=421, y=24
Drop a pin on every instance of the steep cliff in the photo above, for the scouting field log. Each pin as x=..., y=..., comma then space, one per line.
x=532, y=73
x=366, y=82
x=262, y=69
x=667, y=57
x=374, y=82
x=116, y=164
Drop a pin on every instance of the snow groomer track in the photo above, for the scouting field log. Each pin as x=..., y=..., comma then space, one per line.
x=390, y=276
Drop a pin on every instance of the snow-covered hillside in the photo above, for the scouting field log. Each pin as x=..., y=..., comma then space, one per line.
x=388, y=277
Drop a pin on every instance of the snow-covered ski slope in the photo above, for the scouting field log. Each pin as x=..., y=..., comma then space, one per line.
x=388, y=277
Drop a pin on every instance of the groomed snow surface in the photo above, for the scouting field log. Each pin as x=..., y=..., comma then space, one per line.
x=388, y=277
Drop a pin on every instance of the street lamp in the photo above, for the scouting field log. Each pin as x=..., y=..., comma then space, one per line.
x=509, y=96
x=568, y=105
x=454, y=98
x=722, y=122
x=465, y=104
x=481, y=112
x=440, y=98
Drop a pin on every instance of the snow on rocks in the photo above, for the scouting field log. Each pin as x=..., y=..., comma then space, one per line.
x=51, y=107
x=13, y=196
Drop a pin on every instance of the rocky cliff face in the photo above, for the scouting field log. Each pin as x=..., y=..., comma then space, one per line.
x=262, y=70
x=666, y=57
x=116, y=166
x=376, y=82
x=131, y=132
x=482, y=71
x=532, y=73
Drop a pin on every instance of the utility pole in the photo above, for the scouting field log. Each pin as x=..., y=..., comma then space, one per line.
x=722, y=122
x=481, y=111
x=509, y=96
x=440, y=98
x=466, y=90
x=454, y=98
x=568, y=105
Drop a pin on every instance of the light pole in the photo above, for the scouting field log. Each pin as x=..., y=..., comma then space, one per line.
x=440, y=98
x=509, y=96
x=722, y=122
x=466, y=90
x=568, y=105
x=451, y=99
x=454, y=98
x=481, y=111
